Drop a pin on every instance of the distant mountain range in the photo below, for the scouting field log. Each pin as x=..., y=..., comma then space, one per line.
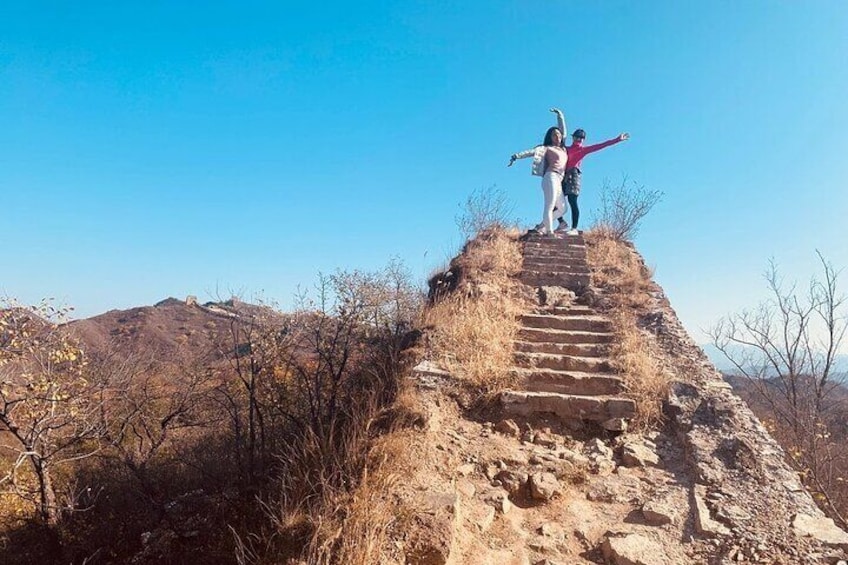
x=172, y=329
x=722, y=364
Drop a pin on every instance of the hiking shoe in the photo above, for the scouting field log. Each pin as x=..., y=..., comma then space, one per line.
x=561, y=228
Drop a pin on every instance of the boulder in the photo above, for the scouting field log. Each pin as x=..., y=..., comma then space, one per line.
x=820, y=528
x=508, y=427
x=639, y=454
x=555, y=296
x=596, y=449
x=432, y=542
x=659, y=513
x=632, y=549
x=512, y=481
x=704, y=524
x=544, y=486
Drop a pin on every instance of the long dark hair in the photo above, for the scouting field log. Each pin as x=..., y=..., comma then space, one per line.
x=549, y=136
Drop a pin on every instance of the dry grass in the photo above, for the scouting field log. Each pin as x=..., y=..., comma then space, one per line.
x=626, y=281
x=353, y=527
x=474, y=327
x=635, y=357
x=617, y=269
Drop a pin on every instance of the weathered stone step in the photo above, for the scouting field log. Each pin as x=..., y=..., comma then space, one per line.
x=554, y=247
x=571, y=281
x=566, y=265
x=570, y=382
x=546, y=335
x=570, y=310
x=544, y=253
x=573, y=323
x=546, y=267
x=545, y=261
x=568, y=407
x=560, y=237
x=560, y=246
x=577, y=250
x=562, y=362
x=579, y=350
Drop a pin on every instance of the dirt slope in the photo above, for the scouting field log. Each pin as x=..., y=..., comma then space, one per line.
x=708, y=485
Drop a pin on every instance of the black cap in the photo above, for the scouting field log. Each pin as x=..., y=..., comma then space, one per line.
x=579, y=133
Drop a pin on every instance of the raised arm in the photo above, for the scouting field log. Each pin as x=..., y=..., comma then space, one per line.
x=607, y=143
x=521, y=155
x=560, y=123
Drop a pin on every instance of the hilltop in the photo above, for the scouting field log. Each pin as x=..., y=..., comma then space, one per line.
x=171, y=329
x=546, y=407
x=549, y=472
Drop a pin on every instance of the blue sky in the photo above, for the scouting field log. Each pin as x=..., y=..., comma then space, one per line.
x=162, y=149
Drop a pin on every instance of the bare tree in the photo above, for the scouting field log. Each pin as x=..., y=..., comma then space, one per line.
x=623, y=207
x=485, y=208
x=787, y=349
x=48, y=406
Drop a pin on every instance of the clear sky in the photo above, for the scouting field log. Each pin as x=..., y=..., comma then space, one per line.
x=156, y=149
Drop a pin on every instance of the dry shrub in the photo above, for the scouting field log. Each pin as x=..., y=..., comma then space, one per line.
x=485, y=208
x=626, y=281
x=618, y=270
x=474, y=327
x=623, y=207
x=634, y=357
x=352, y=526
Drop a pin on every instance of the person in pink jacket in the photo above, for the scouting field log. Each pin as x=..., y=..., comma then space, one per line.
x=571, y=181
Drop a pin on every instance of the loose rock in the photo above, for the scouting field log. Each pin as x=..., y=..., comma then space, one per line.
x=544, y=486
x=632, y=549
x=639, y=455
x=509, y=428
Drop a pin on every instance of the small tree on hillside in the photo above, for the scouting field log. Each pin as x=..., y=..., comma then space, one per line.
x=787, y=349
x=485, y=208
x=623, y=207
x=48, y=407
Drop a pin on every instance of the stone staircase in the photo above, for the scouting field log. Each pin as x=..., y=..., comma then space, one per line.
x=561, y=354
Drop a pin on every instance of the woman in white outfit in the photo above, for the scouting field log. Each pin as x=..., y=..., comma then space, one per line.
x=549, y=161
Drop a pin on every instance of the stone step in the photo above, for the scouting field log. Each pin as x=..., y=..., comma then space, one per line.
x=567, y=407
x=548, y=267
x=556, y=362
x=561, y=249
x=554, y=247
x=579, y=350
x=558, y=238
x=572, y=245
x=573, y=323
x=574, y=249
x=544, y=251
x=570, y=310
x=570, y=281
x=555, y=259
x=545, y=335
x=570, y=382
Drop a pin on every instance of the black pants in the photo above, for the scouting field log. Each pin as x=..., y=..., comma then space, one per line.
x=575, y=211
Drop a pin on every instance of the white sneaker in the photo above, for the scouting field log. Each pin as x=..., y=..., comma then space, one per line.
x=572, y=232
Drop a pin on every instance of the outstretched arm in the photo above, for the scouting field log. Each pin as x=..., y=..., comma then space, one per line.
x=521, y=155
x=560, y=123
x=607, y=143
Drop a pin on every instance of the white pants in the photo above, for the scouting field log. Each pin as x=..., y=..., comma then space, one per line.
x=554, y=200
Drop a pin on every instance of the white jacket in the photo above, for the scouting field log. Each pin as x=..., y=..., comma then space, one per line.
x=538, y=152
